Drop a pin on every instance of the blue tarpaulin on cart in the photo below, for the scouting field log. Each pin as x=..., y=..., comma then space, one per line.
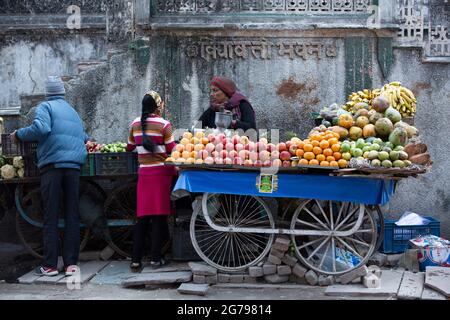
x=306, y=186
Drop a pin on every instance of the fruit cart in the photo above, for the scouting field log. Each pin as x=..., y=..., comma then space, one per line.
x=334, y=228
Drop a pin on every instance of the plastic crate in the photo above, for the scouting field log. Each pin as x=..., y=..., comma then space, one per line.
x=396, y=238
x=31, y=169
x=120, y=163
x=88, y=169
x=17, y=149
x=182, y=248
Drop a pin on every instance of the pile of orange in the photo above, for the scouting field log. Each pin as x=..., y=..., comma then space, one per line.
x=321, y=149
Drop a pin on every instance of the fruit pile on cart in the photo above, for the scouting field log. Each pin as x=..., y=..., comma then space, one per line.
x=327, y=187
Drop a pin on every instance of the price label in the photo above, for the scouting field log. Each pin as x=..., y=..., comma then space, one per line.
x=266, y=183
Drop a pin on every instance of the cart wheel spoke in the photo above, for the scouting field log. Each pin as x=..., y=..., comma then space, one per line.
x=333, y=255
x=231, y=251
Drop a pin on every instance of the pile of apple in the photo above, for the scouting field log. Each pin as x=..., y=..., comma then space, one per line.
x=237, y=150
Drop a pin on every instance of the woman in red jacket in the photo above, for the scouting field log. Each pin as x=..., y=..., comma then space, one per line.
x=152, y=136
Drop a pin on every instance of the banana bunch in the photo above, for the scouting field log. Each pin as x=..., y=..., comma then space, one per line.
x=400, y=98
x=365, y=95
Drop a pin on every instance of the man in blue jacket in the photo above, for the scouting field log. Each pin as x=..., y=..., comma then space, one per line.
x=61, y=151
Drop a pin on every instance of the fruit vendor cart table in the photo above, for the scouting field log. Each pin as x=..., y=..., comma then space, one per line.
x=333, y=230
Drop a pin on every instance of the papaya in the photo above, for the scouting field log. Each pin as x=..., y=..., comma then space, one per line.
x=355, y=133
x=369, y=131
x=362, y=121
x=398, y=137
x=373, y=118
x=380, y=103
x=384, y=126
x=345, y=121
x=362, y=112
x=343, y=133
x=393, y=114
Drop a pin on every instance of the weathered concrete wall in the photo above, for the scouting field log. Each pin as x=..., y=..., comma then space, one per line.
x=428, y=194
x=26, y=62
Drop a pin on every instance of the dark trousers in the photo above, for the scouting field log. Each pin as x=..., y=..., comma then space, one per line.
x=57, y=183
x=159, y=234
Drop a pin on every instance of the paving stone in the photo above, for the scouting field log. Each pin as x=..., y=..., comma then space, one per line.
x=298, y=280
x=89, y=255
x=299, y=270
x=195, y=289
x=223, y=278
x=411, y=287
x=211, y=279
x=273, y=259
x=289, y=260
x=325, y=280
x=256, y=271
x=371, y=281
x=171, y=267
x=379, y=259
x=114, y=273
x=356, y=273
x=199, y=279
x=202, y=269
x=312, y=278
x=236, y=278
x=438, y=278
x=430, y=294
x=281, y=244
x=390, y=283
x=28, y=278
x=249, y=279
x=158, y=278
x=276, y=253
x=87, y=271
x=275, y=278
x=284, y=270
x=269, y=269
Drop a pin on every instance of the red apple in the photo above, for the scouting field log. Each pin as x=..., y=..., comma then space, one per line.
x=215, y=154
x=288, y=144
x=286, y=163
x=239, y=147
x=281, y=146
x=209, y=160
x=253, y=156
x=258, y=163
x=227, y=161
x=238, y=161
x=221, y=136
x=235, y=139
x=271, y=147
x=211, y=138
x=219, y=147
x=261, y=146
x=223, y=154
x=277, y=163
x=292, y=149
x=244, y=154
x=275, y=154
x=264, y=155
x=285, y=155
x=218, y=160
x=250, y=146
x=263, y=140
x=203, y=154
x=229, y=146
x=248, y=163
x=233, y=154
x=210, y=147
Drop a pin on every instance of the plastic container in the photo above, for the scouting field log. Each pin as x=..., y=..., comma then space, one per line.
x=396, y=238
x=10, y=149
x=31, y=169
x=120, y=163
x=88, y=169
x=182, y=248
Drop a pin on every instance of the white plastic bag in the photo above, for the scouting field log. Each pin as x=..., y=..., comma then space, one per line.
x=412, y=219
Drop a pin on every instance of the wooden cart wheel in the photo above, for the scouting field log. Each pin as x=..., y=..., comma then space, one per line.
x=231, y=251
x=30, y=221
x=120, y=210
x=331, y=253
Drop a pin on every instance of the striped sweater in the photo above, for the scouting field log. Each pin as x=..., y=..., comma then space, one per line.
x=160, y=131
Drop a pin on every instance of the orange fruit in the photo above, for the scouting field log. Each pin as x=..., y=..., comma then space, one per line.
x=329, y=136
x=315, y=136
x=342, y=163
x=324, y=144
x=306, y=141
x=333, y=141
x=334, y=164
x=185, y=154
x=327, y=152
x=337, y=155
x=320, y=157
x=205, y=140
x=176, y=154
x=300, y=144
x=314, y=162
x=315, y=143
x=309, y=155
x=325, y=163
x=308, y=147
x=330, y=158
x=336, y=147
x=303, y=162
x=317, y=150
x=299, y=153
x=189, y=147
x=179, y=148
x=193, y=154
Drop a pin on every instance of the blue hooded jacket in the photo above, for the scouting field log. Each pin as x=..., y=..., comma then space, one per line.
x=59, y=132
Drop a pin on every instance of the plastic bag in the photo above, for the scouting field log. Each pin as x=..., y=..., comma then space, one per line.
x=412, y=219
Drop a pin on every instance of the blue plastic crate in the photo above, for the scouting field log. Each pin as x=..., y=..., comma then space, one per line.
x=396, y=238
